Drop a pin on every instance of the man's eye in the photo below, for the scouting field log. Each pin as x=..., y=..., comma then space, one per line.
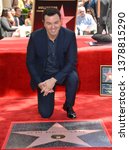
x=57, y=22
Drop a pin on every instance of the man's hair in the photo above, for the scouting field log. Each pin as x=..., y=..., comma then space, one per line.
x=16, y=8
x=50, y=12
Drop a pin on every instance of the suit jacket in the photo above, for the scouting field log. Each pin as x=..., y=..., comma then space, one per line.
x=37, y=50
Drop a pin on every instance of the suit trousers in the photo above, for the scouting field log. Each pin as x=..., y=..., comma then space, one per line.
x=46, y=103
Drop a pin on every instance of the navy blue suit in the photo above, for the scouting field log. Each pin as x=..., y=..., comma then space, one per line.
x=66, y=53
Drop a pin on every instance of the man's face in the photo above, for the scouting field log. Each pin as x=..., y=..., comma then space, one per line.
x=82, y=13
x=52, y=25
x=18, y=12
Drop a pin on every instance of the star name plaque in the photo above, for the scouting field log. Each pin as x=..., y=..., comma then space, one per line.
x=67, y=9
x=106, y=80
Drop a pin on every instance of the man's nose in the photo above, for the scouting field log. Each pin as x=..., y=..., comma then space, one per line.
x=53, y=26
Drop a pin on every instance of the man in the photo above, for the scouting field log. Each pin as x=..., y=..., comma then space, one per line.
x=90, y=4
x=19, y=20
x=85, y=23
x=51, y=60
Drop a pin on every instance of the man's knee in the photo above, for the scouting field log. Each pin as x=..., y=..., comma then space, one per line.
x=45, y=112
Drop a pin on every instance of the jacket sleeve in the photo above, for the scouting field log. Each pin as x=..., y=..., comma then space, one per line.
x=31, y=62
x=70, y=62
x=5, y=25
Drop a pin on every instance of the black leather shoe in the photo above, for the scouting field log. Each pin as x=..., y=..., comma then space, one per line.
x=70, y=112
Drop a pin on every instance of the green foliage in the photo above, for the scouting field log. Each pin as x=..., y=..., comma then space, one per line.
x=25, y=10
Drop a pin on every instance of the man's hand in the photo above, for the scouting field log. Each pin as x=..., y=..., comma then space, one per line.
x=41, y=85
x=47, y=86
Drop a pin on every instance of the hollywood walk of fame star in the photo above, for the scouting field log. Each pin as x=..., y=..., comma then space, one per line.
x=65, y=19
x=57, y=133
x=108, y=75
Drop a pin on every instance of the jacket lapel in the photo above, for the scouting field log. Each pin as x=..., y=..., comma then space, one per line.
x=59, y=47
x=44, y=44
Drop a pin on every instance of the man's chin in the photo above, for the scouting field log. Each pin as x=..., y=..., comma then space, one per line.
x=54, y=33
